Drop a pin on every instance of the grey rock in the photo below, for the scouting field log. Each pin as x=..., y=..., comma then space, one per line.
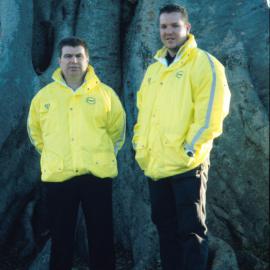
x=18, y=173
x=99, y=24
x=252, y=262
x=122, y=37
x=42, y=260
x=221, y=255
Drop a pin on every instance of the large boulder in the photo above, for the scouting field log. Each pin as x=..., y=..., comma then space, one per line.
x=18, y=172
x=123, y=37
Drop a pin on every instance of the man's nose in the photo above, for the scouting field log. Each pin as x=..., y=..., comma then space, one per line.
x=74, y=59
x=169, y=30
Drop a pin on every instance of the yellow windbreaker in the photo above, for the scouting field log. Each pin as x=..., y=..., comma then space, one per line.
x=76, y=132
x=181, y=108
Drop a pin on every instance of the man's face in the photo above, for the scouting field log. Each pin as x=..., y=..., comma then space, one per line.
x=73, y=62
x=173, y=30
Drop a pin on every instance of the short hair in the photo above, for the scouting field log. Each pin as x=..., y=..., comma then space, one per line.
x=175, y=8
x=73, y=42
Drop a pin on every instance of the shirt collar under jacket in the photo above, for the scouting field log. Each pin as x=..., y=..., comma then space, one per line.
x=182, y=54
x=90, y=81
x=169, y=58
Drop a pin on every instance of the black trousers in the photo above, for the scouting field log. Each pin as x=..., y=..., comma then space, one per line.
x=63, y=200
x=178, y=211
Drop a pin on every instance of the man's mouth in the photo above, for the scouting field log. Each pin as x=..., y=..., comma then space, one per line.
x=74, y=67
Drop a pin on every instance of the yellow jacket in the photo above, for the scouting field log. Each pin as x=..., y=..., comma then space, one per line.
x=181, y=109
x=76, y=132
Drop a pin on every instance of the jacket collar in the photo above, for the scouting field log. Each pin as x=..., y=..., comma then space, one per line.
x=90, y=81
x=182, y=54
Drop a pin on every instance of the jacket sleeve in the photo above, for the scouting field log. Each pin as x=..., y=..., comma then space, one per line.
x=33, y=126
x=137, y=125
x=116, y=123
x=139, y=105
x=211, y=96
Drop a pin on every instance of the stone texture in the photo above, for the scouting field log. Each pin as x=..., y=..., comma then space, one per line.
x=122, y=37
x=221, y=255
x=18, y=173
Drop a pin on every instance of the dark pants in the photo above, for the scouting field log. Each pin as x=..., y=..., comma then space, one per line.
x=178, y=211
x=63, y=200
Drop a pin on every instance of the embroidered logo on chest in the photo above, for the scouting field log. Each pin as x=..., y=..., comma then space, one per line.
x=91, y=100
x=179, y=74
x=47, y=106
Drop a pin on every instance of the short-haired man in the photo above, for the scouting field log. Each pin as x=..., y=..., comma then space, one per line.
x=77, y=124
x=182, y=103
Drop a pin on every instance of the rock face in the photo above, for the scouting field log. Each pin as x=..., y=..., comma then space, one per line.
x=122, y=37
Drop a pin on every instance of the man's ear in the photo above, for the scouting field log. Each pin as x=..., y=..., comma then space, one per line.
x=59, y=61
x=188, y=27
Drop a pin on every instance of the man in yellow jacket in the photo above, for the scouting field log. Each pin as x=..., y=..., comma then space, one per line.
x=182, y=103
x=77, y=124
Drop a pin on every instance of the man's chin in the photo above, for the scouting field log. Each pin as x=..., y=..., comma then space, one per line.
x=74, y=72
x=173, y=48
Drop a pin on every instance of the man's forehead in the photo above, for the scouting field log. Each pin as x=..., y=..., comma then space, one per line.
x=171, y=17
x=73, y=50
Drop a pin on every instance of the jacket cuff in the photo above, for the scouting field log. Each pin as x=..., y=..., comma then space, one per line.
x=189, y=150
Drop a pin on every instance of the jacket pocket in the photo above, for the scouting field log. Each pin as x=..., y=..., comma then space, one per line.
x=174, y=155
x=104, y=165
x=50, y=163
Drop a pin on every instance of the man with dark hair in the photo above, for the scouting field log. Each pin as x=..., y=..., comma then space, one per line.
x=73, y=42
x=182, y=103
x=175, y=8
x=77, y=124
